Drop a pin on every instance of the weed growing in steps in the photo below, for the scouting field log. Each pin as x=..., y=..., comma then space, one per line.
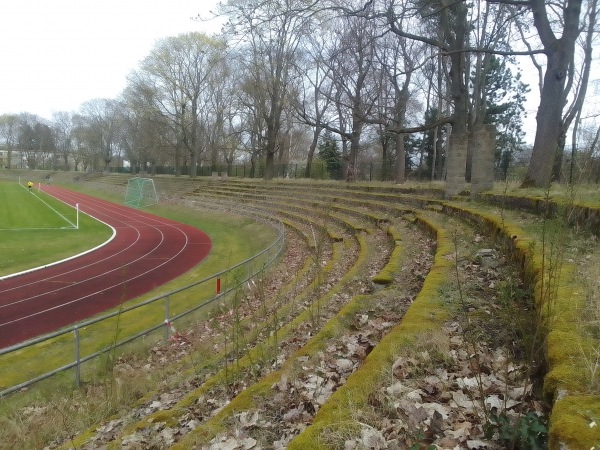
x=214, y=386
x=304, y=330
x=564, y=382
x=103, y=404
x=587, y=258
x=510, y=328
x=236, y=341
x=589, y=348
x=530, y=431
x=561, y=321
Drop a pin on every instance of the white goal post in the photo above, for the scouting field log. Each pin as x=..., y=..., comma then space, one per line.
x=140, y=192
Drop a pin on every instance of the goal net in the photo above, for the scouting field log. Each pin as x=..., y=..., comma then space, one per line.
x=140, y=192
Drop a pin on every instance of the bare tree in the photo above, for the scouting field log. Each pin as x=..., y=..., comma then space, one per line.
x=354, y=85
x=9, y=132
x=315, y=89
x=175, y=75
x=35, y=140
x=63, y=130
x=251, y=99
x=101, y=124
x=575, y=109
x=560, y=53
x=398, y=58
x=272, y=31
x=221, y=108
x=491, y=31
x=147, y=117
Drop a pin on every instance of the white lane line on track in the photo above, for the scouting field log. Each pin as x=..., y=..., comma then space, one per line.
x=12, y=275
x=170, y=224
x=107, y=207
x=118, y=268
x=114, y=233
x=89, y=295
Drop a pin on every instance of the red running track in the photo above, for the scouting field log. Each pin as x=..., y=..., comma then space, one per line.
x=146, y=252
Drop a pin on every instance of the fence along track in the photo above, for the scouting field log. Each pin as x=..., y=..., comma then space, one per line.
x=249, y=268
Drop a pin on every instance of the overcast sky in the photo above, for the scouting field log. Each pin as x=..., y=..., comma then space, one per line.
x=57, y=54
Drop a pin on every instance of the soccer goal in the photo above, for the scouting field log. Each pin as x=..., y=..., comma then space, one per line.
x=140, y=192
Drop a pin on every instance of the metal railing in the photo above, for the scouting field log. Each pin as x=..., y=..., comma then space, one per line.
x=226, y=281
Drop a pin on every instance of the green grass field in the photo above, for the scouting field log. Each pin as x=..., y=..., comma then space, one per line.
x=36, y=229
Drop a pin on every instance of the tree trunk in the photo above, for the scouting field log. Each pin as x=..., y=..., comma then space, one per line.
x=311, y=151
x=271, y=147
x=560, y=155
x=353, y=155
x=456, y=161
x=269, y=165
x=193, y=164
x=560, y=54
x=384, y=154
x=400, y=166
x=549, y=122
x=177, y=160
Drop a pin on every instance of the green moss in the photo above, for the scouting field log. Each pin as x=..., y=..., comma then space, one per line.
x=571, y=423
x=247, y=398
x=168, y=417
x=565, y=354
x=394, y=234
x=244, y=362
x=386, y=275
x=426, y=313
x=334, y=235
x=558, y=311
x=428, y=310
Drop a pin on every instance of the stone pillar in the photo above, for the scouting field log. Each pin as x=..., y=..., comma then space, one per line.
x=456, y=164
x=482, y=168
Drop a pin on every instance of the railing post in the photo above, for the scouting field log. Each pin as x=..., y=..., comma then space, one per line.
x=167, y=322
x=77, y=358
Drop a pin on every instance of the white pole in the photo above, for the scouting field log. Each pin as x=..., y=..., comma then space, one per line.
x=77, y=220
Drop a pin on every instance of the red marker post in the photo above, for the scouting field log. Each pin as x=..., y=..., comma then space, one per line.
x=218, y=286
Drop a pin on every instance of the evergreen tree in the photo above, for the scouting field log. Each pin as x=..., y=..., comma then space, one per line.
x=505, y=97
x=412, y=144
x=329, y=153
x=431, y=145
